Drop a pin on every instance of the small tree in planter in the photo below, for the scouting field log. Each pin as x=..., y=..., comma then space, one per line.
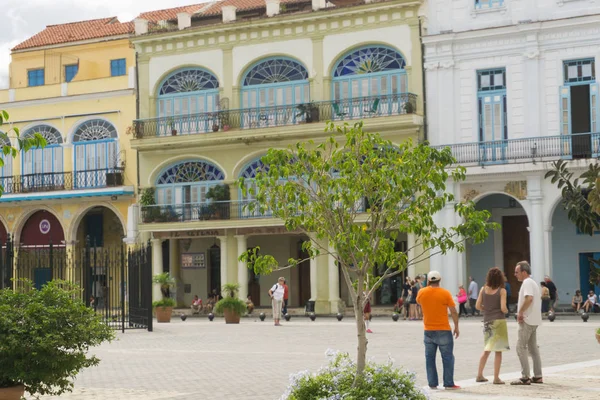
x=220, y=195
x=45, y=336
x=310, y=111
x=164, y=308
x=230, y=305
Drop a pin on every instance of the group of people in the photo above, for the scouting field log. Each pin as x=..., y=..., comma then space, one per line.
x=407, y=304
x=491, y=301
x=198, y=307
x=591, y=304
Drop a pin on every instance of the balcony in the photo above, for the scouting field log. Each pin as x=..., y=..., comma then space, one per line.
x=265, y=117
x=545, y=148
x=57, y=181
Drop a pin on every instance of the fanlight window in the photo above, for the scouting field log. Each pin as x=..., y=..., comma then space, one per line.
x=47, y=160
x=275, y=82
x=96, y=152
x=369, y=71
x=187, y=183
x=96, y=129
x=187, y=92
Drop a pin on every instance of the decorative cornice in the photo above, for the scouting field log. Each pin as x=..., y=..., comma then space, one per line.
x=531, y=54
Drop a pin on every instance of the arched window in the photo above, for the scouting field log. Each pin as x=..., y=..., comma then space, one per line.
x=48, y=160
x=96, y=152
x=275, y=82
x=249, y=172
x=187, y=182
x=187, y=92
x=369, y=71
x=6, y=171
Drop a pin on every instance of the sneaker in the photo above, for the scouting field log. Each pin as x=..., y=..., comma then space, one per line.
x=369, y=331
x=433, y=387
x=452, y=387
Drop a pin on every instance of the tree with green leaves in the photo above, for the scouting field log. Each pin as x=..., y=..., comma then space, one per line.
x=581, y=201
x=356, y=193
x=23, y=144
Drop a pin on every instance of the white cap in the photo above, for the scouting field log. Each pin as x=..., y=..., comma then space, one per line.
x=434, y=276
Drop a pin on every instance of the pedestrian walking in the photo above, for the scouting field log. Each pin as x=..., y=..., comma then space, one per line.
x=435, y=302
x=553, y=292
x=492, y=304
x=473, y=293
x=462, y=300
x=286, y=295
x=529, y=316
x=276, y=294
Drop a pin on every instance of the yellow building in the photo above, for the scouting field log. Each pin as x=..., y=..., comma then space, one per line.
x=74, y=84
x=219, y=84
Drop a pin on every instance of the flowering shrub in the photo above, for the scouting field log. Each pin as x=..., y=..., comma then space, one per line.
x=334, y=382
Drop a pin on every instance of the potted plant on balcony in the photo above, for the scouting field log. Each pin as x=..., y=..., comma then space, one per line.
x=171, y=124
x=150, y=213
x=164, y=308
x=230, y=306
x=219, y=195
x=310, y=111
x=408, y=107
x=45, y=336
x=224, y=120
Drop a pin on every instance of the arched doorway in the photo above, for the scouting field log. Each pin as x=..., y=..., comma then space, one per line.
x=41, y=229
x=102, y=226
x=504, y=247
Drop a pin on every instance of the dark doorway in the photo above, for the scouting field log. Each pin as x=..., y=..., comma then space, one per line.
x=391, y=288
x=214, y=258
x=254, y=284
x=585, y=267
x=581, y=121
x=515, y=240
x=166, y=256
x=303, y=276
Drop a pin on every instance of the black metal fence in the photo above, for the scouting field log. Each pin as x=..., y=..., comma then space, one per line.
x=54, y=181
x=116, y=282
x=265, y=117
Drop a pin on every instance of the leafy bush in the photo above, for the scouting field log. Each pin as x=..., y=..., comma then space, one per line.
x=230, y=301
x=166, y=302
x=45, y=336
x=598, y=331
x=380, y=382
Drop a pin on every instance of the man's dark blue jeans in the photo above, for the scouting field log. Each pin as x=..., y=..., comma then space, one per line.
x=443, y=340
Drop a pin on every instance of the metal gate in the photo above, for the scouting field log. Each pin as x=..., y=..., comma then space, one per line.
x=116, y=282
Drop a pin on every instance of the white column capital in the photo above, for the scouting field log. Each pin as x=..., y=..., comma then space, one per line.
x=156, y=241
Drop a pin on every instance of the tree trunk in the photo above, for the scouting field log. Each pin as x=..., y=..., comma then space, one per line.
x=361, y=355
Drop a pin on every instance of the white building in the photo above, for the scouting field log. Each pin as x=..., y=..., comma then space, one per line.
x=511, y=86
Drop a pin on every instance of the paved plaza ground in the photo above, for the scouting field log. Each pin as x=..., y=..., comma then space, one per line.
x=198, y=359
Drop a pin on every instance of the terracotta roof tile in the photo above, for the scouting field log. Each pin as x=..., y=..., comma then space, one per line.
x=171, y=13
x=76, y=31
x=242, y=5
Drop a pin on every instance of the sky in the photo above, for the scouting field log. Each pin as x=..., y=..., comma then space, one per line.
x=24, y=18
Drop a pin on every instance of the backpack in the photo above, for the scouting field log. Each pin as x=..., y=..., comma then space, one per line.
x=276, y=287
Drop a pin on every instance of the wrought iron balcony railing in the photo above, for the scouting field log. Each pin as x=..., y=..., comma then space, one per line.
x=219, y=211
x=545, y=148
x=55, y=181
x=264, y=117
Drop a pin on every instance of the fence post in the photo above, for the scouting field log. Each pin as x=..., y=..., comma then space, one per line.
x=122, y=289
x=87, y=271
x=51, y=259
x=147, y=282
x=9, y=261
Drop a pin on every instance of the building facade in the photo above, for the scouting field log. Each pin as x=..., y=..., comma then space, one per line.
x=220, y=84
x=75, y=85
x=511, y=87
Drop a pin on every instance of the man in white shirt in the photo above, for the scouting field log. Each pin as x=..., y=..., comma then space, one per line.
x=529, y=316
x=473, y=293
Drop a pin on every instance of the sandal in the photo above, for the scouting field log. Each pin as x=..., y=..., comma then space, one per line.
x=498, y=382
x=537, y=380
x=481, y=379
x=522, y=381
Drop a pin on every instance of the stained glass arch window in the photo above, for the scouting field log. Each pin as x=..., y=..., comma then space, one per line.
x=275, y=70
x=370, y=59
x=189, y=80
x=190, y=172
x=95, y=129
x=51, y=134
x=252, y=169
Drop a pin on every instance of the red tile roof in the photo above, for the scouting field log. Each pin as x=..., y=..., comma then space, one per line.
x=76, y=31
x=107, y=27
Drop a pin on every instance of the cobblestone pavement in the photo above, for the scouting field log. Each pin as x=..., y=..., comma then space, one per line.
x=198, y=359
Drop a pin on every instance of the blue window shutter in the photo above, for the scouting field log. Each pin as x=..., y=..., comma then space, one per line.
x=565, y=110
x=480, y=108
x=70, y=72
x=505, y=117
x=35, y=77
x=594, y=107
x=118, y=67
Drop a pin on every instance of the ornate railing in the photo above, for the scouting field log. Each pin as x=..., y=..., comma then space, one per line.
x=55, y=181
x=545, y=148
x=207, y=211
x=264, y=117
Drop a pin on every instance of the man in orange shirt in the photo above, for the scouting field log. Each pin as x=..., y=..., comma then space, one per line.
x=435, y=303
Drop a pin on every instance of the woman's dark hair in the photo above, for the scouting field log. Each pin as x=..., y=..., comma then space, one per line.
x=578, y=292
x=494, y=278
x=542, y=283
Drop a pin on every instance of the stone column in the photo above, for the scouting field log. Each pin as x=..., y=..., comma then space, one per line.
x=334, y=282
x=536, y=227
x=242, y=246
x=175, y=263
x=228, y=75
x=224, y=261
x=317, y=71
x=450, y=280
x=157, y=266
x=548, y=250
